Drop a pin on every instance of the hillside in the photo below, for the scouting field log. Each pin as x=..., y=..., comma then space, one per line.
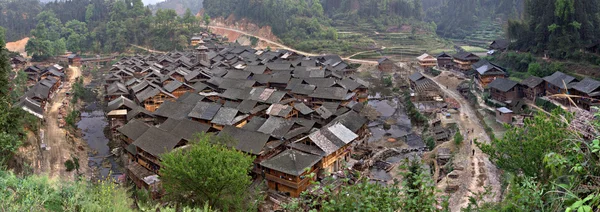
x=178, y=5
x=364, y=29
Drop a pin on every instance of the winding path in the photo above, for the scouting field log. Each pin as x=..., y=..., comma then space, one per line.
x=287, y=47
x=480, y=172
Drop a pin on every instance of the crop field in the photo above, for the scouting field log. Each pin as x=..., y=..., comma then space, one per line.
x=369, y=43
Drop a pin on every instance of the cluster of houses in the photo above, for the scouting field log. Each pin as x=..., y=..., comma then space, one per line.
x=505, y=92
x=42, y=82
x=296, y=114
x=585, y=93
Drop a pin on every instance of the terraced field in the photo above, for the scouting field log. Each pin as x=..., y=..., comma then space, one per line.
x=402, y=45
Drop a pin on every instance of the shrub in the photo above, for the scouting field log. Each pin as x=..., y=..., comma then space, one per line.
x=458, y=138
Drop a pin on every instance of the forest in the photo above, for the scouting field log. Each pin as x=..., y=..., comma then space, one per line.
x=559, y=29
x=97, y=26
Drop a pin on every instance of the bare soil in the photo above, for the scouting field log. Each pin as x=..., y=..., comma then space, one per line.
x=17, y=46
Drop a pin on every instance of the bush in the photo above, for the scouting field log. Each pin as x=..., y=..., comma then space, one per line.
x=387, y=81
x=430, y=142
x=458, y=138
x=71, y=119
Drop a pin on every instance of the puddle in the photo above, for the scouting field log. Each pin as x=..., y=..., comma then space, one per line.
x=380, y=174
x=92, y=125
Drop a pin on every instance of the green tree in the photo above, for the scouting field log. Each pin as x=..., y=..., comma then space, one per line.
x=523, y=148
x=458, y=138
x=418, y=192
x=206, y=19
x=207, y=171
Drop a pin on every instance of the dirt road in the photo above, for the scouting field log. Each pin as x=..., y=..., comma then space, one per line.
x=59, y=148
x=289, y=48
x=479, y=172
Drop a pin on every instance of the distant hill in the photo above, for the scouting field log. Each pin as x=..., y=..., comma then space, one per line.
x=149, y=2
x=178, y=5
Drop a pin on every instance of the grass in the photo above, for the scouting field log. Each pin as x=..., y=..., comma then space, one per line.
x=474, y=49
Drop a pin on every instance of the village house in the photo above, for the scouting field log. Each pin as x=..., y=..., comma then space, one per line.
x=444, y=60
x=424, y=89
x=488, y=72
x=559, y=83
x=18, y=62
x=504, y=90
x=289, y=172
x=464, y=60
x=74, y=60
x=268, y=101
x=533, y=87
x=427, y=61
x=386, y=65
x=587, y=93
x=504, y=115
x=500, y=45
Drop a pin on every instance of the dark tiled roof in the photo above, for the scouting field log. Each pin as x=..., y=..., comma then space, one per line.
x=225, y=116
x=205, y=110
x=416, y=76
x=276, y=127
x=558, y=78
x=133, y=129
x=502, y=84
x=466, y=56
x=532, y=81
x=587, y=86
x=176, y=110
x=156, y=141
x=351, y=120
x=246, y=141
x=119, y=102
x=330, y=93
x=291, y=162
x=305, y=110
x=255, y=123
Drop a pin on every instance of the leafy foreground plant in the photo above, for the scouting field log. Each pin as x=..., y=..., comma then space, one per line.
x=554, y=167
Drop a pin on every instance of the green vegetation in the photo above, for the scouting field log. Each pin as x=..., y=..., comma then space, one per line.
x=415, y=116
x=415, y=194
x=11, y=118
x=561, y=27
x=107, y=26
x=208, y=171
x=430, y=142
x=523, y=65
x=458, y=138
x=473, y=49
x=178, y=5
x=462, y=19
x=552, y=167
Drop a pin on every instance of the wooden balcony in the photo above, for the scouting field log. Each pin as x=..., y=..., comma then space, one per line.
x=288, y=183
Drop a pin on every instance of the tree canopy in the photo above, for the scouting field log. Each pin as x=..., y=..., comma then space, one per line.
x=207, y=171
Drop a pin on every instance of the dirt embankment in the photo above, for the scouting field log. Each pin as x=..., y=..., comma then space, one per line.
x=242, y=25
x=17, y=46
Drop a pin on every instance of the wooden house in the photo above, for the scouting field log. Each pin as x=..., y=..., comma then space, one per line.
x=488, y=72
x=464, y=60
x=152, y=98
x=386, y=65
x=178, y=88
x=332, y=143
x=500, y=45
x=533, y=87
x=503, y=90
x=559, y=83
x=289, y=172
x=444, y=60
x=424, y=89
x=587, y=92
x=504, y=115
x=34, y=74
x=18, y=62
x=196, y=40
x=74, y=60
x=257, y=144
x=427, y=61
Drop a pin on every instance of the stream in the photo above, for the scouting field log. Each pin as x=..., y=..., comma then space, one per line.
x=92, y=125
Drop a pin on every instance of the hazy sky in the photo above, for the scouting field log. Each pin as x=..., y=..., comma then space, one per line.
x=147, y=2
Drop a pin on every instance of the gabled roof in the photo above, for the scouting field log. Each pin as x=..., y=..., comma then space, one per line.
x=225, y=116
x=349, y=84
x=351, y=120
x=330, y=93
x=485, y=67
x=246, y=105
x=176, y=110
x=559, y=79
x=587, y=85
x=276, y=126
x=466, y=56
x=532, y=81
x=291, y=162
x=332, y=138
x=279, y=110
x=502, y=84
x=156, y=141
x=444, y=55
x=247, y=141
x=255, y=123
x=305, y=110
x=205, y=110
x=184, y=128
x=133, y=129
x=119, y=102
x=416, y=76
